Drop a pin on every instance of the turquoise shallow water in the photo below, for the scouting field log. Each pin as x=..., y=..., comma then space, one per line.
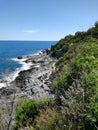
x=13, y=49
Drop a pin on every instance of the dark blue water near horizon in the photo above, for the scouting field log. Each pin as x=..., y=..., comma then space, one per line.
x=13, y=49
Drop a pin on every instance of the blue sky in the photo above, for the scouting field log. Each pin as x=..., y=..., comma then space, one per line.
x=45, y=19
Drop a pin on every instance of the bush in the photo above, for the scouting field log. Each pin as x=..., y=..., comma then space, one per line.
x=45, y=102
x=26, y=112
x=49, y=120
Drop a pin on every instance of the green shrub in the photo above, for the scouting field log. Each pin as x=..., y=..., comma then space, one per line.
x=26, y=112
x=45, y=102
x=49, y=120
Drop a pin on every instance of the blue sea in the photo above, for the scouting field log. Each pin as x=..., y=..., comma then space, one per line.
x=13, y=49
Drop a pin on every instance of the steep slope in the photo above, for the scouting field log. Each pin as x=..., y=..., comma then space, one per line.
x=75, y=79
x=75, y=83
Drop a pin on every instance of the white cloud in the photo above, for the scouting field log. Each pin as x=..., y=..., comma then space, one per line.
x=31, y=31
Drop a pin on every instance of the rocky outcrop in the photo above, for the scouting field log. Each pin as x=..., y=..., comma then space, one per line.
x=35, y=81
x=19, y=57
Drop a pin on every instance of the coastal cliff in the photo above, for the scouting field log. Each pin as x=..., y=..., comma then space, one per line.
x=60, y=90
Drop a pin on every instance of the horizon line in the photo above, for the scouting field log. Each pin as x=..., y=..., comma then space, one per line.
x=30, y=40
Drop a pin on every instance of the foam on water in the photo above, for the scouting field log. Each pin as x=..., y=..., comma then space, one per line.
x=12, y=76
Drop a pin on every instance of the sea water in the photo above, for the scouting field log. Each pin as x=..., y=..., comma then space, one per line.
x=12, y=49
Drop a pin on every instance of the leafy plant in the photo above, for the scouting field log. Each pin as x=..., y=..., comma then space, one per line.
x=26, y=112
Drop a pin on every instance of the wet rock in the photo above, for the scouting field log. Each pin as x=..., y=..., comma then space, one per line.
x=19, y=57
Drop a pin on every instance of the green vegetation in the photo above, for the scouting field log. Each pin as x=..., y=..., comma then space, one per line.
x=75, y=82
x=75, y=79
x=29, y=110
x=48, y=119
x=26, y=112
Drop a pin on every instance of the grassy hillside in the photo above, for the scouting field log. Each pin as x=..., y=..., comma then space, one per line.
x=75, y=79
x=75, y=82
x=64, y=45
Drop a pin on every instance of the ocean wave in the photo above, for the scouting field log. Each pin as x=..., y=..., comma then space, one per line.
x=12, y=76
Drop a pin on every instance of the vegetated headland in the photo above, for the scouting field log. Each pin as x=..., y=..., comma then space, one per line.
x=60, y=89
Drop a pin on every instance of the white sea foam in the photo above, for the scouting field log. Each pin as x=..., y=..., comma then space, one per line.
x=12, y=76
x=2, y=85
x=25, y=66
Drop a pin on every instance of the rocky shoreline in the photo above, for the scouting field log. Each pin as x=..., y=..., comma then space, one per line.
x=33, y=82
